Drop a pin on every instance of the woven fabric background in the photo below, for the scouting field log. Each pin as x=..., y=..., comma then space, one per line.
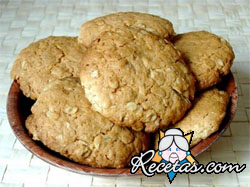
x=25, y=21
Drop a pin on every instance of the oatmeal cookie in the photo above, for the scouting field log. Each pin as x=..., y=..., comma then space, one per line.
x=62, y=120
x=44, y=61
x=209, y=57
x=136, y=79
x=205, y=116
x=93, y=29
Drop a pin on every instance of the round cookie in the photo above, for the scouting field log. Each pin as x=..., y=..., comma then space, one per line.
x=44, y=61
x=135, y=79
x=62, y=120
x=209, y=57
x=93, y=29
x=205, y=116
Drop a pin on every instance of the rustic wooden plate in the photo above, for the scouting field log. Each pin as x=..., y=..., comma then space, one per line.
x=18, y=108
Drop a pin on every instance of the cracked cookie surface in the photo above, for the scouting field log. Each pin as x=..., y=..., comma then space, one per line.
x=62, y=120
x=209, y=57
x=136, y=79
x=44, y=61
x=205, y=116
x=93, y=29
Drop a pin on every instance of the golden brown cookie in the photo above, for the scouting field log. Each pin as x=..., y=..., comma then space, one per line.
x=208, y=56
x=135, y=79
x=93, y=29
x=62, y=120
x=205, y=116
x=44, y=61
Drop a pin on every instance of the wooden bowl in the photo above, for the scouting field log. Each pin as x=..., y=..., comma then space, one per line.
x=18, y=108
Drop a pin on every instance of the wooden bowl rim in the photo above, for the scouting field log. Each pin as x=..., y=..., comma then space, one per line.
x=52, y=158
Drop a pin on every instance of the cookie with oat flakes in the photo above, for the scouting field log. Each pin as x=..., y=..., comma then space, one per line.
x=205, y=116
x=46, y=60
x=209, y=56
x=136, y=79
x=92, y=30
x=62, y=120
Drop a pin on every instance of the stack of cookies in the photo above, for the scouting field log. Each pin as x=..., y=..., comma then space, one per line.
x=98, y=96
